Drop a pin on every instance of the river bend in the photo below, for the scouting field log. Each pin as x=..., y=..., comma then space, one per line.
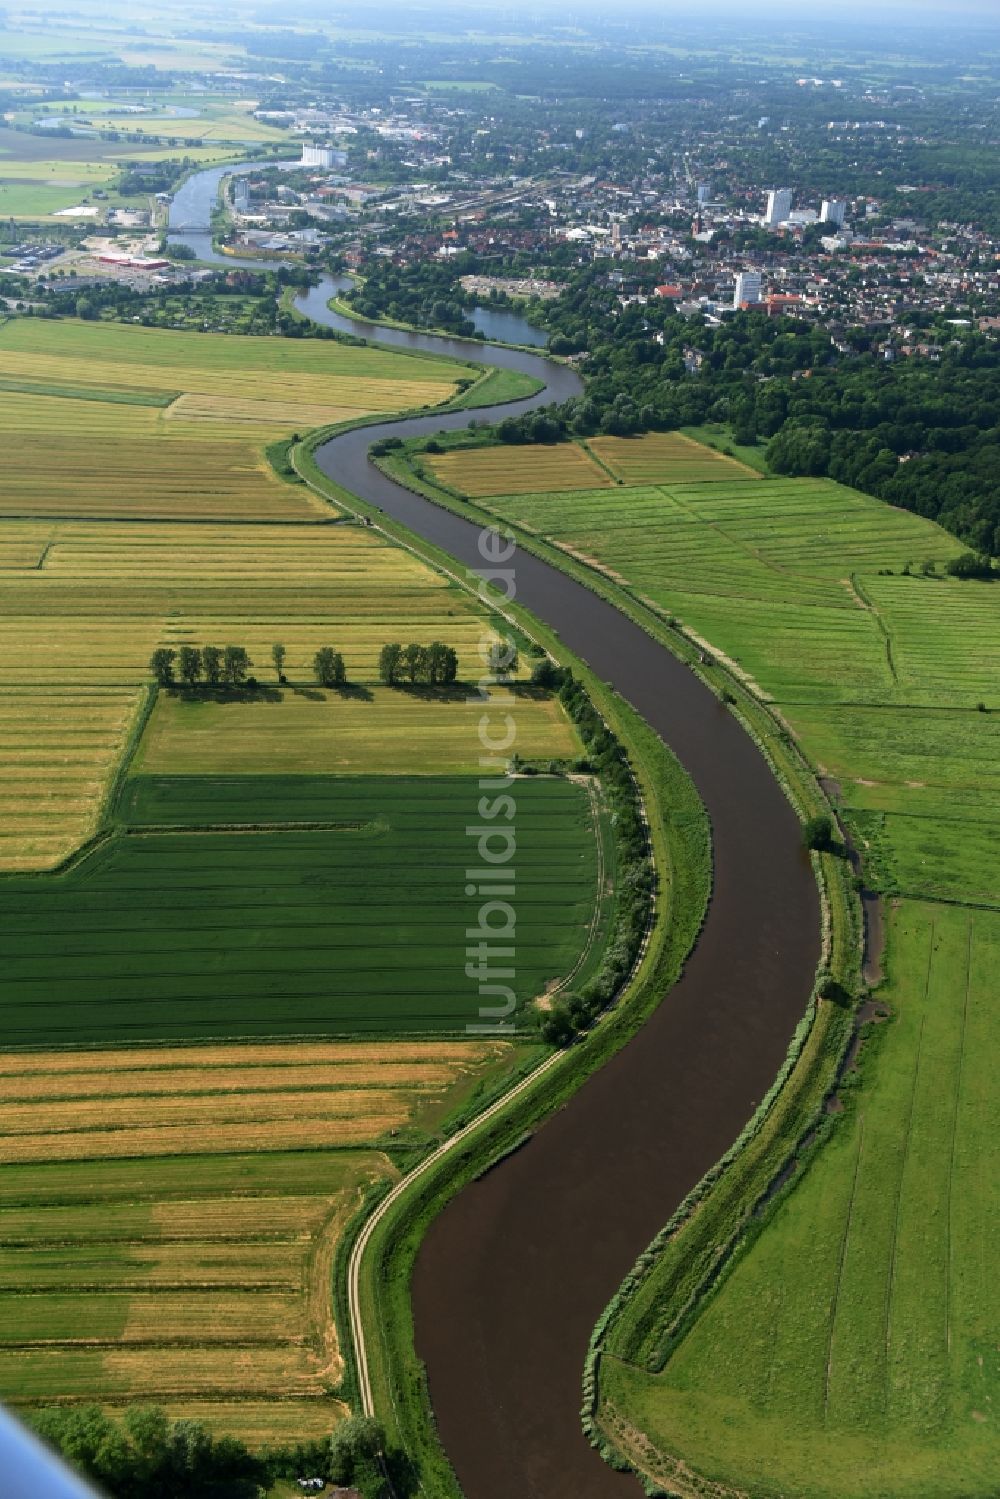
x=515, y=1271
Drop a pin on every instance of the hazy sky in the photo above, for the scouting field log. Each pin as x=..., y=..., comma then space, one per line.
x=807, y=15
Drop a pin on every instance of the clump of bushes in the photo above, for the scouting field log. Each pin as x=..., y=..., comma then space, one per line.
x=575, y=1012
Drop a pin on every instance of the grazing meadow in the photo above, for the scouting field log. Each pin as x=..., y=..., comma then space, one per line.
x=851, y=1348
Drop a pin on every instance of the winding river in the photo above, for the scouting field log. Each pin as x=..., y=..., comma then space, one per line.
x=514, y=1273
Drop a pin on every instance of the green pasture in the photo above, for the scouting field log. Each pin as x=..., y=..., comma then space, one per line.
x=299, y=905
x=800, y=585
x=852, y=1349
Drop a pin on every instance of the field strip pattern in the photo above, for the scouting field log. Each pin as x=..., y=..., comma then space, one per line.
x=133, y=1275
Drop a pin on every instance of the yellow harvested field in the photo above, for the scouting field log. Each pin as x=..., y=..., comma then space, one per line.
x=223, y=1317
x=371, y=391
x=262, y=1422
x=106, y=460
x=282, y=1134
x=102, y=1115
x=518, y=470
x=184, y=1081
x=206, y=1290
x=151, y=480
x=267, y=1054
x=126, y=358
x=182, y=419
x=58, y=751
x=77, y=632
x=666, y=458
x=283, y=415
x=315, y=731
x=203, y=1106
x=108, y=595
x=157, y=1372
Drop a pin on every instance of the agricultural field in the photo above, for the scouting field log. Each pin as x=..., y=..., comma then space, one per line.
x=140, y=425
x=517, y=470
x=257, y=871
x=98, y=599
x=852, y=1349
x=57, y=750
x=181, y=421
x=765, y=572
x=165, y=1236
x=118, y=355
x=41, y=177
x=83, y=607
x=294, y=731
x=241, y=906
x=33, y=41
x=664, y=458
x=182, y=117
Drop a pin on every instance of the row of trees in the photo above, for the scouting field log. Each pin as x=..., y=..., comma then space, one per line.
x=435, y=664
x=216, y=666
x=230, y=666
x=145, y=1455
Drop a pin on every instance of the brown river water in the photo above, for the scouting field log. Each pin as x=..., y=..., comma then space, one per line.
x=515, y=1271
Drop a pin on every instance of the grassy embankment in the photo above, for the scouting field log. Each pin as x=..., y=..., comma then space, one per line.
x=845, y=1346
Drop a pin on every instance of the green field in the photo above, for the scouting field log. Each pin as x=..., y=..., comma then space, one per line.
x=42, y=174
x=852, y=1350
x=249, y=906
x=853, y=1347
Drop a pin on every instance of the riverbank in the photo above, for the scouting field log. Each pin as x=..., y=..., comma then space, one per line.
x=578, y=1264
x=387, y=1375
x=677, y=1270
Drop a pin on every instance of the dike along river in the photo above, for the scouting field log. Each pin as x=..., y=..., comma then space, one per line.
x=514, y=1273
